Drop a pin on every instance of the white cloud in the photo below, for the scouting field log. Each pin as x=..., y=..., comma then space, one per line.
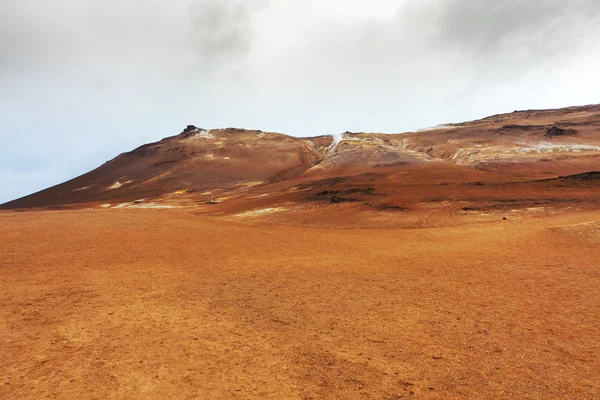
x=359, y=8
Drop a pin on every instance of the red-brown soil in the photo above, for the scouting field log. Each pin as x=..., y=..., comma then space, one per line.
x=155, y=304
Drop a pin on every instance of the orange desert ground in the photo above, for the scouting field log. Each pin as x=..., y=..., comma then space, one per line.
x=457, y=262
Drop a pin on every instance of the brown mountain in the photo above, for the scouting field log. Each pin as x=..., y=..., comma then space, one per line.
x=504, y=161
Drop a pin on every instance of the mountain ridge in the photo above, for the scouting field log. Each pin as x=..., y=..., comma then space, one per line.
x=186, y=168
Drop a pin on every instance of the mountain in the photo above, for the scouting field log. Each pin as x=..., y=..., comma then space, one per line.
x=511, y=160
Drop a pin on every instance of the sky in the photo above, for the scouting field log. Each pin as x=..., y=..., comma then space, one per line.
x=84, y=80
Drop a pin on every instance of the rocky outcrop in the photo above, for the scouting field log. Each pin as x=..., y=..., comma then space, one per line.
x=555, y=131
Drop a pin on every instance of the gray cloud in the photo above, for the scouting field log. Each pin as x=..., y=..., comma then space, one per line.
x=222, y=27
x=478, y=35
x=516, y=30
x=55, y=33
x=84, y=80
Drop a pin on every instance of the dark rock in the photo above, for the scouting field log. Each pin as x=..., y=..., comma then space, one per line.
x=338, y=199
x=367, y=190
x=586, y=176
x=392, y=207
x=189, y=131
x=515, y=127
x=556, y=131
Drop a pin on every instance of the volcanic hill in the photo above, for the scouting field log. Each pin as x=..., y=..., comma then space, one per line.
x=509, y=161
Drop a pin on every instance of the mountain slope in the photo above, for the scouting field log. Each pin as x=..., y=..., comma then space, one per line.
x=199, y=166
x=194, y=161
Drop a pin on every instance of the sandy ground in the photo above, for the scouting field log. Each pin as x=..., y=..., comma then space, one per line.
x=165, y=304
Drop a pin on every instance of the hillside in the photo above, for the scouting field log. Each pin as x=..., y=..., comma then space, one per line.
x=509, y=161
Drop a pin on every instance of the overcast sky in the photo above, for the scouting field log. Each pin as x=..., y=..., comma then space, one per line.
x=84, y=80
